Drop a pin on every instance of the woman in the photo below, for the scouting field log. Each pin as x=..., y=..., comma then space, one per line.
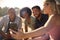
x=52, y=27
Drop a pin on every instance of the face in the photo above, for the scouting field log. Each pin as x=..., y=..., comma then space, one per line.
x=11, y=14
x=47, y=8
x=25, y=15
x=36, y=12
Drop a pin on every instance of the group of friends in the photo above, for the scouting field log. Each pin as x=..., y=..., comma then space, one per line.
x=44, y=25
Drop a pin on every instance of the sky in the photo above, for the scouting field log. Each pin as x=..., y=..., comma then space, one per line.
x=21, y=3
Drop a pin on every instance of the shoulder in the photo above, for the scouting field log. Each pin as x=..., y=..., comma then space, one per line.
x=44, y=15
x=56, y=16
x=33, y=19
x=5, y=17
x=18, y=18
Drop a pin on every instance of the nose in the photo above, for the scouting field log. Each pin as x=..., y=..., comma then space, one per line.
x=34, y=13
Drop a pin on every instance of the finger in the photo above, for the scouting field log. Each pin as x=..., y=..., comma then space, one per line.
x=13, y=35
x=13, y=31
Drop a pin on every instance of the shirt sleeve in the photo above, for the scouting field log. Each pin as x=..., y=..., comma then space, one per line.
x=33, y=23
x=1, y=23
x=20, y=24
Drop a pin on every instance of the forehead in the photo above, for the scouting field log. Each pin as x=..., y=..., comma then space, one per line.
x=47, y=3
x=11, y=10
x=35, y=9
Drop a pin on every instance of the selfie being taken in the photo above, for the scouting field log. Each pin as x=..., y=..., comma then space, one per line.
x=29, y=20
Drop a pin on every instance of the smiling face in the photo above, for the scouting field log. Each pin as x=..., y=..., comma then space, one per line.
x=36, y=12
x=11, y=13
x=50, y=7
x=47, y=8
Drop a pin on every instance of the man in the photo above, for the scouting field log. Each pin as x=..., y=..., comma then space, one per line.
x=10, y=19
x=40, y=17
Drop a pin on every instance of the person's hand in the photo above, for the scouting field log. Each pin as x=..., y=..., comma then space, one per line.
x=16, y=35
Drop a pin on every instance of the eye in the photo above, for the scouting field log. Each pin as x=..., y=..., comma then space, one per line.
x=46, y=4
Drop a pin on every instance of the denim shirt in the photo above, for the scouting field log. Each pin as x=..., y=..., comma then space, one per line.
x=5, y=20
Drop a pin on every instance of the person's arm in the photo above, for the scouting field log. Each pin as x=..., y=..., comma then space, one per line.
x=20, y=24
x=42, y=30
x=38, y=32
x=1, y=23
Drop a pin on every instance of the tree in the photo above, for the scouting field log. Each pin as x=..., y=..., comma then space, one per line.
x=4, y=11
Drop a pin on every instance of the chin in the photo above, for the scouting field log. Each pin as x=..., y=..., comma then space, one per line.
x=36, y=16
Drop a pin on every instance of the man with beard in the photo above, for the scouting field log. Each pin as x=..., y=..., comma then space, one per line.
x=40, y=17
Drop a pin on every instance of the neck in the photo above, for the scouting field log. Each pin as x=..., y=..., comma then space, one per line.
x=28, y=18
x=12, y=20
x=39, y=17
x=51, y=13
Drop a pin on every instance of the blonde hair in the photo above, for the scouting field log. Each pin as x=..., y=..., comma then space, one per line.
x=53, y=5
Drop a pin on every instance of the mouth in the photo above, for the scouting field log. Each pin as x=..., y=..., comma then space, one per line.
x=36, y=15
